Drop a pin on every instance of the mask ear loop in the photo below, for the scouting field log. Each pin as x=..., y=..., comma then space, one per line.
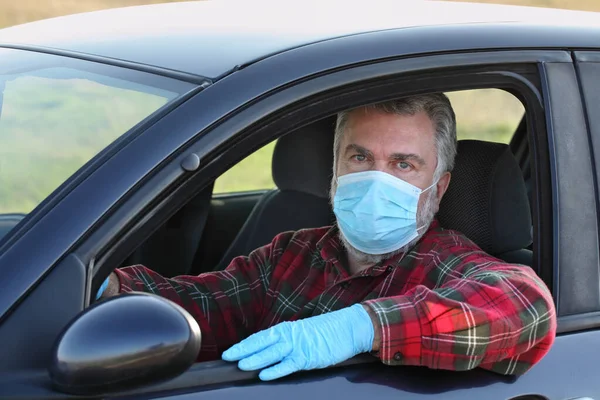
x=423, y=191
x=430, y=186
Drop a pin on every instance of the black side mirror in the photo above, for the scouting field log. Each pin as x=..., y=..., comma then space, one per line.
x=122, y=343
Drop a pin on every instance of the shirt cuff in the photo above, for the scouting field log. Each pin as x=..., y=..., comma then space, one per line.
x=129, y=281
x=401, y=332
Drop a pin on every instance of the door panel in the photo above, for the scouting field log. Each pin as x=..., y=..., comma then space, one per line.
x=562, y=374
x=27, y=334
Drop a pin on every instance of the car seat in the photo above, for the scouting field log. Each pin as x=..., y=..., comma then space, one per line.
x=487, y=201
x=302, y=169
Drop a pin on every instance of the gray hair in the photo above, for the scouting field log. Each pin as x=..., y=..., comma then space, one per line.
x=438, y=108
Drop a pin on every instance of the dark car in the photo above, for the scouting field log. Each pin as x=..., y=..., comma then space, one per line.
x=122, y=131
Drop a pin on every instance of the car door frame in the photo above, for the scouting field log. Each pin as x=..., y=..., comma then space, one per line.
x=246, y=119
x=554, y=72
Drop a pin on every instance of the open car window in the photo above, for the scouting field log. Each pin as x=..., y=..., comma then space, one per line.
x=482, y=114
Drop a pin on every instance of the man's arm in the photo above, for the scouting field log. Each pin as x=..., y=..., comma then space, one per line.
x=227, y=304
x=492, y=315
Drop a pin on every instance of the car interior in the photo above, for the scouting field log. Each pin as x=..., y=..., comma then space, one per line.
x=489, y=200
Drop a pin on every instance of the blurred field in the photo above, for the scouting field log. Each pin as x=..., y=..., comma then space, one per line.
x=17, y=12
x=43, y=142
x=586, y=5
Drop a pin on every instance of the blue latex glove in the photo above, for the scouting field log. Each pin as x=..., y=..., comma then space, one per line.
x=102, y=288
x=315, y=342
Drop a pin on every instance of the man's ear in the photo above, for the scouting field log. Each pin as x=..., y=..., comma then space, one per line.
x=442, y=186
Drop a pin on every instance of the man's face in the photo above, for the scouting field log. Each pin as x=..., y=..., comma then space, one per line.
x=400, y=145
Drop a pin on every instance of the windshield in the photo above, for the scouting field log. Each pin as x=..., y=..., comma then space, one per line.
x=56, y=113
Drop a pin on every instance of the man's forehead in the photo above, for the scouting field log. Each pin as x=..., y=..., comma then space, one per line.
x=398, y=133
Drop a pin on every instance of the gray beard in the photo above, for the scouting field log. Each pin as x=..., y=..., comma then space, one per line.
x=425, y=216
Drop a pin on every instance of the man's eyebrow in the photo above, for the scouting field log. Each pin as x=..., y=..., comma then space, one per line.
x=359, y=149
x=408, y=157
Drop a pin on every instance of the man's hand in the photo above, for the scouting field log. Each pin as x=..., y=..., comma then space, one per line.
x=109, y=288
x=311, y=343
x=102, y=288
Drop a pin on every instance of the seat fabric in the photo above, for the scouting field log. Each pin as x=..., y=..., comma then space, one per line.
x=487, y=201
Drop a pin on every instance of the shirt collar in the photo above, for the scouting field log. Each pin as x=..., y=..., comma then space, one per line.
x=330, y=245
x=332, y=249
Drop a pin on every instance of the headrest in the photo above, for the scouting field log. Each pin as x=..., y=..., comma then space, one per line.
x=487, y=198
x=303, y=159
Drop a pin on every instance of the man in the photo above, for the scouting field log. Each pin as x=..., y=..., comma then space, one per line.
x=386, y=279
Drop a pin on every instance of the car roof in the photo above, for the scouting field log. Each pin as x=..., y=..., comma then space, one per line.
x=210, y=38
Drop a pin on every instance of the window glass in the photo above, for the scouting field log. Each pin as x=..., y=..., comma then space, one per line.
x=57, y=113
x=486, y=114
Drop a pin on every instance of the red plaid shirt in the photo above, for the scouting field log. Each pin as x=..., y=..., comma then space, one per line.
x=444, y=304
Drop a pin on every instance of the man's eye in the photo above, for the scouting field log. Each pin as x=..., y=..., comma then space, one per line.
x=403, y=165
x=359, y=157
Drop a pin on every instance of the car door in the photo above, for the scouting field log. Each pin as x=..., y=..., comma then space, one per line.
x=154, y=187
x=559, y=258
x=363, y=377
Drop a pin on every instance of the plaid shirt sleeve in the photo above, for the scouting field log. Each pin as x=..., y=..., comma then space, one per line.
x=227, y=304
x=481, y=313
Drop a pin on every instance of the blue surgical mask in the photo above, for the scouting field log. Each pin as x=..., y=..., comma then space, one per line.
x=377, y=212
